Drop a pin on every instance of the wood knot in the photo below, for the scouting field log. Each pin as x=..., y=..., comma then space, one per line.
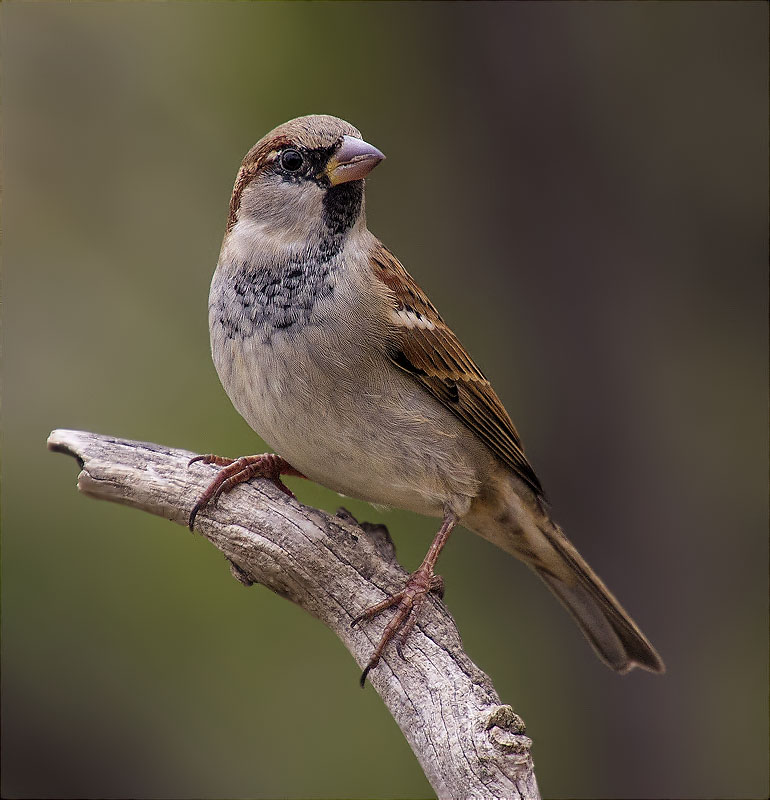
x=377, y=534
x=240, y=575
x=506, y=731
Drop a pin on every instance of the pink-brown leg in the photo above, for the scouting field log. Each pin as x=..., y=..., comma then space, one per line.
x=240, y=470
x=409, y=599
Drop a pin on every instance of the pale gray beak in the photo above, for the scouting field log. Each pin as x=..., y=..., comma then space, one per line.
x=354, y=160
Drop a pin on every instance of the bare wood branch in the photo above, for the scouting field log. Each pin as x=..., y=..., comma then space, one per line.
x=468, y=744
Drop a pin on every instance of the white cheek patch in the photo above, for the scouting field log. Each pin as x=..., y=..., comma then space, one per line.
x=411, y=319
x=241, y=238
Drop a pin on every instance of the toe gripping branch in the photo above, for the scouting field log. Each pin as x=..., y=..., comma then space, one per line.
x=240, y=470
x=409, y=600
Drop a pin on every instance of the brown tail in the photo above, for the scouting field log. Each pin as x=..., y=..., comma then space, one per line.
x=612, y=633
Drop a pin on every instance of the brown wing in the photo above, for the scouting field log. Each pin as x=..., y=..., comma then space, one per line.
x=428, y=350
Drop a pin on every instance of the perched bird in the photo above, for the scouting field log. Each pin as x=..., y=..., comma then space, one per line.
x=335, y=356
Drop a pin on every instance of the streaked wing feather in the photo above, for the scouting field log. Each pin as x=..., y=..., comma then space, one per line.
x=434, y=356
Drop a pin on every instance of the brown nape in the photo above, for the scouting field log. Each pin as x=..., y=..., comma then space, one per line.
x=245, y=175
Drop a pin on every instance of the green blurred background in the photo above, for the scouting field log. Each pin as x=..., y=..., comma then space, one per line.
x=582, y=189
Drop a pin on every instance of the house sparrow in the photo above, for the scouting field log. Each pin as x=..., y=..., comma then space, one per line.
x=335, y=356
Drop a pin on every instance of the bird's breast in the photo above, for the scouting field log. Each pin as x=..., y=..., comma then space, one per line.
x=259, y=303
x=306, y=369
x=283, y=344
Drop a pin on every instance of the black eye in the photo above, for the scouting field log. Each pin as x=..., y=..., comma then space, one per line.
x=291, y=160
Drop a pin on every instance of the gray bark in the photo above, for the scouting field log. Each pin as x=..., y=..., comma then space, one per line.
x=468, y=744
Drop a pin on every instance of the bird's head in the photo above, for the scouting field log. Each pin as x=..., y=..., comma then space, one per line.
x=303, y=182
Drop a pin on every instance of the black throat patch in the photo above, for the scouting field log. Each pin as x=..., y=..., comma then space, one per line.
x=341, y=208
x=265, y=299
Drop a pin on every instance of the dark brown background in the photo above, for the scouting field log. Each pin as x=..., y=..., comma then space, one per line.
x=582, y=189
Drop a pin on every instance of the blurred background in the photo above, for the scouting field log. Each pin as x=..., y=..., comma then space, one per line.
x=582, y=190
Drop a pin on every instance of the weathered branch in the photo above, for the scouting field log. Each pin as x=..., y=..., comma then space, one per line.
x=468, y=744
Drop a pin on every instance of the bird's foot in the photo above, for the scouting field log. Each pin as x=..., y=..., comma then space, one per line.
x=240, y=470
x=407, y=603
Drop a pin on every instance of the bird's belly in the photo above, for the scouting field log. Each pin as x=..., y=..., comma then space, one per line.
x=364, y=430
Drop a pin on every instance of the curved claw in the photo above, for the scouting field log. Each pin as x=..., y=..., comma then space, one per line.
x=193, y=514
x=267, y=465
x=365, y=673
x=210, y=458
x=223, y=487
x=400, y=648
x=403, y=633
